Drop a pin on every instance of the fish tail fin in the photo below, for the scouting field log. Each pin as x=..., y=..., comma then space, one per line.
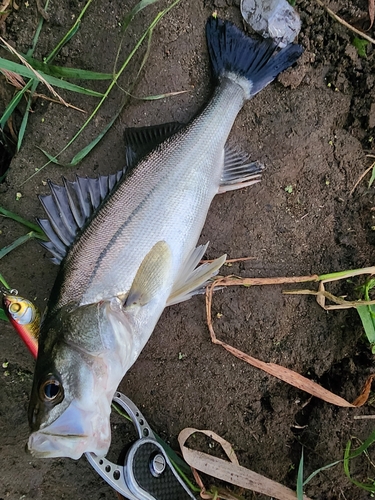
x=251, y=63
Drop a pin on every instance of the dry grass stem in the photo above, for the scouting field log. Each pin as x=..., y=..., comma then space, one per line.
x=38, y=76
x=362, y=176
x=285, y=374
x=344, y=23
x=17, y=81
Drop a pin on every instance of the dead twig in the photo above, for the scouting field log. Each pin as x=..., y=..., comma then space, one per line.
x=362, y=176
x=38, y=76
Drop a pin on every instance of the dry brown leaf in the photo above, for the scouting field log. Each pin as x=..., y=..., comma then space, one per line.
x=13, y=79
x=231, y=472
x=285, y=374
x=36, y=73
x=363, y=397
x=371, y=12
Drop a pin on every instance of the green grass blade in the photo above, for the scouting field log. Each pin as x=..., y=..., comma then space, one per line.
x=86, y=150
x=300, y=479
x=73, y=30
x=366, y=444
x=140, y=6
x=21, y=220
x=3, y=316
x=348, y=456
x=26, y=115
x=51, y=158
x=366, y=313
x=372, y=179
x=325, y=467
x=37, y=32
x=5, y=284
x=19, y=241
x=61, y=72
x=156, y=20
x=20, y=69
x=13, y=104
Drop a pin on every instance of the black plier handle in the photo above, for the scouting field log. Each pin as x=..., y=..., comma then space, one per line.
x=147, y=473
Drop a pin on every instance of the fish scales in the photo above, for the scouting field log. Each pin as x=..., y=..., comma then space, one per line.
x=172, y=190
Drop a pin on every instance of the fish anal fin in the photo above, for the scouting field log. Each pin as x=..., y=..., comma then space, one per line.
x=192, y=279
x=140, y=141
x=152, y=275
x=239, y=172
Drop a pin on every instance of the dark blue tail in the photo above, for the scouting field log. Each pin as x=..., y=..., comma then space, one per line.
x=259, y=61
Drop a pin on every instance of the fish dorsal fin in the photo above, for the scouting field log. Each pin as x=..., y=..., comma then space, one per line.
x=192, y=278
x=239, y=171
x=153, y=274
x=70, y=206
x=140, y=141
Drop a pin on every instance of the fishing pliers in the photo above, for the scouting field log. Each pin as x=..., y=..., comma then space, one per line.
x=147, y=473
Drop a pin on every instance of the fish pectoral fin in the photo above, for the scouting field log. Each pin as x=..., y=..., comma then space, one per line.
x=239, y=171
x=142, y=140
x=152, y=275
x=192, y=279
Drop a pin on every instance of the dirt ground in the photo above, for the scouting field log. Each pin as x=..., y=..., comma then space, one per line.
x=312, y=135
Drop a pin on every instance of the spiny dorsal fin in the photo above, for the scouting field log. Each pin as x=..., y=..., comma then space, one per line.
x=70, y=206
x=139, y=141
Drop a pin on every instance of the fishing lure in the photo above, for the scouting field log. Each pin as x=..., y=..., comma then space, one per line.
x=24, y=316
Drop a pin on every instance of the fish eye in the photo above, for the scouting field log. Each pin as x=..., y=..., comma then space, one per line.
x=15, y=308
x=51, y=390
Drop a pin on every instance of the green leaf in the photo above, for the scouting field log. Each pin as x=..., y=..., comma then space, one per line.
x=372, y=179
x=300, y=479
x=140, y=6
x=3, y=316
x=361, y=46
x=325, y=467
x=61, y=72
x=73, y=30
x=37, y=32
x=5, y=284
x=366, y=313
x=86, y=150
x=349, y=456
x=13, y=104
x=52, y=159
x=19, y=241
x=56, y=82
x=25, y=222
x=25, y=117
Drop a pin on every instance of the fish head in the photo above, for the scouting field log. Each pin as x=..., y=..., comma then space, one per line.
x=73, y=387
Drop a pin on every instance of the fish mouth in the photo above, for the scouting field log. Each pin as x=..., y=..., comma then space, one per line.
x=75, y=432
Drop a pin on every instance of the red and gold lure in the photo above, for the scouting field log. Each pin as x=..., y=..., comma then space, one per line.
x=25, y=319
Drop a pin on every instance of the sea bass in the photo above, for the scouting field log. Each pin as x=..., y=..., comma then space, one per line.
x=127, y=248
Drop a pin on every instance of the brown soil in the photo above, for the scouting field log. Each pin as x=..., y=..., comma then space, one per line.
x=312, y=136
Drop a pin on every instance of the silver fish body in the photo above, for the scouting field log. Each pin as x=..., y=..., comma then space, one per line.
x=136, y=256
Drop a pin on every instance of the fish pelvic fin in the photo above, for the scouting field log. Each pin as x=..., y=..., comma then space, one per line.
x=70, y=206
x=192, y=279
x=251, y=63
x=239, y=171
x=152, y=275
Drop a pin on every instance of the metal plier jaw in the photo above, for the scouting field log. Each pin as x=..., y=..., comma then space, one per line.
x=147, y=473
